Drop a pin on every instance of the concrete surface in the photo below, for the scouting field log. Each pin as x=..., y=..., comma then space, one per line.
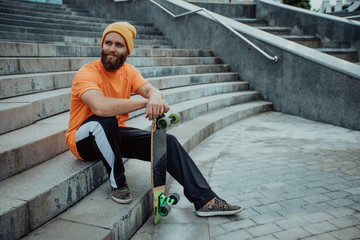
x=295, y=179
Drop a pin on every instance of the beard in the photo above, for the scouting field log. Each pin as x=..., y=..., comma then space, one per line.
x=112, y=64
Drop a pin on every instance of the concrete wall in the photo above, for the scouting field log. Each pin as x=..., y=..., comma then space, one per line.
x=304, y=82
x=333, y=31
x=231, y=10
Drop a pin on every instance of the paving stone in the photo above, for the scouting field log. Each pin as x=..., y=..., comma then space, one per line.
x=292, y=234
x=237, y=225
x=264, y=229
x=336, y=194
x=356, y=206
x=271, y=199
x=292, y=222
x=341, y=212
x=318, y=217
x=236, y=235
x=268, y=208
x=182, y=231
x=216, y=230
x=266, y=237
x=316, y=198
x=288, y=212
x=322, y=227
x=340, y=202
x=267, y=218
x=353, y=190
x=346, y=221
x=347, y=233
x=293, y=203
x=317, y=207
x=324, y=236
x=250, y=203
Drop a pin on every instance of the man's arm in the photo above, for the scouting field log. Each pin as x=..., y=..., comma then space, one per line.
x=156, y=105
x=108, y=107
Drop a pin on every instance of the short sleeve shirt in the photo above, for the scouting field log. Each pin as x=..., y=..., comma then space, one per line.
x=93, y=76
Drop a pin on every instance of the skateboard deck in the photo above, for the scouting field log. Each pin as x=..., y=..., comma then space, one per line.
x=162, y=203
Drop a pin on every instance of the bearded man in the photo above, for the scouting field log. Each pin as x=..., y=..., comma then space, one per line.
x=100, y=104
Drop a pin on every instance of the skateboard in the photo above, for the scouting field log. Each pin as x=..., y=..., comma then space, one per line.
x=162, y=203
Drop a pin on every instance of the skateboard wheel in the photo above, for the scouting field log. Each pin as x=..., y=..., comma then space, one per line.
x=175, y=197
x=163, y=123
x=175, y=118
x=164, y=209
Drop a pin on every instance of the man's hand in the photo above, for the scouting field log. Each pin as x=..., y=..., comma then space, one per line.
x=156, y=108
x=156, y=105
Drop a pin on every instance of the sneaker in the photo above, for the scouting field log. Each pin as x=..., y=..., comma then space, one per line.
x=218, y=207
x=121, y=195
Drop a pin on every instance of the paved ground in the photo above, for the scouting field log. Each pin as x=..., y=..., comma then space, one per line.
x=296, y=179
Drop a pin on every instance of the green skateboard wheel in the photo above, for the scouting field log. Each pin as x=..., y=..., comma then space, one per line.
x=163, y=123
x=164, y=209
x=175, y=197
x=175, y=118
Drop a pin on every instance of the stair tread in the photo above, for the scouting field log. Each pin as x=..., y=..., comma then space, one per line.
x=299, y=37
x=336, y=49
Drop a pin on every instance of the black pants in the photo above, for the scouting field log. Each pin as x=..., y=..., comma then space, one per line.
x=100, y=137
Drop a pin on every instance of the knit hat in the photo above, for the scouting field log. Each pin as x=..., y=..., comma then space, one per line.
x=125, y=29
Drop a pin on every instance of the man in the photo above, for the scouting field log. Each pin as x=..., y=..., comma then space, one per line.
x=100, y=103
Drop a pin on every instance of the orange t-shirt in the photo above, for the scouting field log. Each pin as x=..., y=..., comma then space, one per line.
x=92, y=76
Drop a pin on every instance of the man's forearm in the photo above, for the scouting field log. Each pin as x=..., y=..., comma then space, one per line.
x=115, y=106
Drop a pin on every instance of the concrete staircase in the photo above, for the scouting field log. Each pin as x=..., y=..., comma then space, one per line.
x=45, y=192
x=347, y=53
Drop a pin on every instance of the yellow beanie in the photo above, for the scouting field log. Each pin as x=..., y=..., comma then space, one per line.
x=125, y=29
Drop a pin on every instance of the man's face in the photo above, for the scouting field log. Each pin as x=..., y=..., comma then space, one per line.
x=114, y=52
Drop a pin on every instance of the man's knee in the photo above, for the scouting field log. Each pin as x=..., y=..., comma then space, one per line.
x=172, y=141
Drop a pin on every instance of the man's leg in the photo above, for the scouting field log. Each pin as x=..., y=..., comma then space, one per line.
x=99, y=138
x=179, y=163
x=182, y=168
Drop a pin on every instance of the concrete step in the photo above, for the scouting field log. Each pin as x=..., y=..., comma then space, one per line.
x=44, y=14
x=252, y=22
x=14, y=49
x=308, y=41
x=182, y=70
x=348, y=54
x=276, y=30
x=54, y=21
x=22, y=111
x=69, y=39
x=107, y=218
x=16, y=85
x=59, y=64
x=57, y=9
x=31, y=26
x=32, y=3
x=21, y=153
x=69, y=30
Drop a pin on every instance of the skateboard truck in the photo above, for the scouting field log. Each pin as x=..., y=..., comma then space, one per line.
x=165, y=203
x=163, y=122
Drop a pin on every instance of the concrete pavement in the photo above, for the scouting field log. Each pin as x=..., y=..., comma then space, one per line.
x=295, y=179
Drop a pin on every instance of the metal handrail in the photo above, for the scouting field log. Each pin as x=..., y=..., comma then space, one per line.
x=275, y=58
